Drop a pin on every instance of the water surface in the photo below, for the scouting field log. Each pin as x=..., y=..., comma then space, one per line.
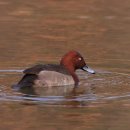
x=41, y=32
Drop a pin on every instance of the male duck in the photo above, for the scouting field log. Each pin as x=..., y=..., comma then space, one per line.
x=55, y=74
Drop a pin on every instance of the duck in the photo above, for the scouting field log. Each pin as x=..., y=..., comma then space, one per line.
x=46, y=75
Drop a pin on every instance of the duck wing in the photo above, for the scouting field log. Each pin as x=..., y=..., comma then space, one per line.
x=48, y=67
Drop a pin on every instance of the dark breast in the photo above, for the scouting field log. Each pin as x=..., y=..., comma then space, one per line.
x=49, y=67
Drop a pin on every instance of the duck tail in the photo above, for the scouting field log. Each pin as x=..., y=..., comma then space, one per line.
x=26, y=81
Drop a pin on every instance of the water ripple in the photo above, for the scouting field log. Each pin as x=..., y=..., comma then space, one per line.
x=11, y=70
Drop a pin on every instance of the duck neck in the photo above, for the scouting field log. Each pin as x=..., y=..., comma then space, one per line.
x=75, y=77
x=72, y=70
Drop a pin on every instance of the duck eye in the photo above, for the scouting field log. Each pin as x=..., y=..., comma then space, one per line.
x=79, y=58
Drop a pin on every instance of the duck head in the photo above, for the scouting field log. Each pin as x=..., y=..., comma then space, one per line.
x=73, y=61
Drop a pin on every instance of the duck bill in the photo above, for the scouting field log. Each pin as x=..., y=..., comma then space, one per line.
x=86, y=68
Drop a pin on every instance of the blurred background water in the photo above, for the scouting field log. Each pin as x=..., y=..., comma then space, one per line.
x=41, y=31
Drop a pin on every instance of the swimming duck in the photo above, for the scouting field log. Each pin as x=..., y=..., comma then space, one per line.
x=55, y=74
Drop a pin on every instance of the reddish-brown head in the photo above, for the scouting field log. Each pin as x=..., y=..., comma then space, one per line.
x=73, y=60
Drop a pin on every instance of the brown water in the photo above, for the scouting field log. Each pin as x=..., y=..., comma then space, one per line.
x=41, y=31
